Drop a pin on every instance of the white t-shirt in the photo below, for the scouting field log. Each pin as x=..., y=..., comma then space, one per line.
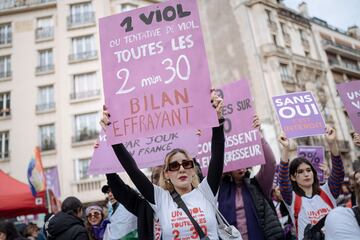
x=122, y=222
x=312, y=209
x=175, y=224
x=341, y=224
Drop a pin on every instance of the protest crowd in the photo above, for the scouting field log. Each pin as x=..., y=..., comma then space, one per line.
x=209, y=197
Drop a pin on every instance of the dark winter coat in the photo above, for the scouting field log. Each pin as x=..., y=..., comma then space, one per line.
x=64, y=226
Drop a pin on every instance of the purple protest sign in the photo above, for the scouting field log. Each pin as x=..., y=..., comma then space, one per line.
x=350, y=95
x=147, y=152
x=243, y=144
x=155, y=71
x=52, y=180
x=299, y=115
x=315, y=154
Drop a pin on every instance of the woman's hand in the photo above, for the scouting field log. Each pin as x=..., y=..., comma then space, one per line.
x=330, y=136
x=105, y=120
x=285, y=144
x=356, y=138
x=217, y=103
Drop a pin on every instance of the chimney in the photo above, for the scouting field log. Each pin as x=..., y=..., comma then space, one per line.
x=354, y=31
x=303, y=9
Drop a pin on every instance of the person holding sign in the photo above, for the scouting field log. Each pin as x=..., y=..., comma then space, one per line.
x=356, y=138
x=179, y=180
x=244, y=201
x=308, y=202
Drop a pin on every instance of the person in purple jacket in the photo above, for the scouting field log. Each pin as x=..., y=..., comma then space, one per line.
x=245, y=202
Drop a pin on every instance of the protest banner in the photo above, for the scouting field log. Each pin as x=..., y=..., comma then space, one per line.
x=243, y=144
x=147, y=152
x=315, y=154
x=350, y=95
x=155, y=71
x=299, y=115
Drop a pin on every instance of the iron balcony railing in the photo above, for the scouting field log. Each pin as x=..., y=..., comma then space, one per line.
x=5, y=112
x=45, y=68
x=5, y=38
x=82, y=56
x=4, y=155
x=47, y=145
x=85, y=135
x=45, y=106
x=343, y=47
x=85, y=94
x=44, y=33
x=13, y=4
x=5, y=74
x=79, y=19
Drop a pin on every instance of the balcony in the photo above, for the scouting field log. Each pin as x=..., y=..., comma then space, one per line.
x=45, y=69
x=12, y=6
x=85, y=95
x=81, y=20
x=341, y=49
x=44, y=34
x=269, y=50
x=342, y=67
x=5, y=39
x=289, y=14
x=5, y=112
x=85, y=135
x=272, y=25
x=288, y=79
x=45, y=107
x=308, y=62
x=287, y=39
x=47, y=145
x=5, y=75
x=82, y=56
x=306, y=44
x=4, y=156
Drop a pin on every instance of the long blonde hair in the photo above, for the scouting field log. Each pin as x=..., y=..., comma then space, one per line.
x=166, y=183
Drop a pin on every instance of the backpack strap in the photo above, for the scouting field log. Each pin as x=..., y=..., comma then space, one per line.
x=297, y=208
x=326, y=199
x=356, y=211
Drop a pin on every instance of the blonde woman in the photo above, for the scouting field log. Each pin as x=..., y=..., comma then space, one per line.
x=179, y=175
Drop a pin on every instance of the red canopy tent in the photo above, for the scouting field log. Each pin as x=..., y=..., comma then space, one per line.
x=16, y=198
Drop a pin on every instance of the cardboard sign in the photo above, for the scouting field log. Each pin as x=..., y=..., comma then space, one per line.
x=350, y=95
x=147, y=152
x=299, y=115
x=243, y=144
x=315, y=154
x=155, y=71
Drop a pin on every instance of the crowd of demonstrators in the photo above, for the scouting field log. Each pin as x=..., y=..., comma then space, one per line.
x=307, y=201
x=246, y=202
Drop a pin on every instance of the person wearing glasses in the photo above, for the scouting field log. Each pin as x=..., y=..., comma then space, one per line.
x=308, y=202
x=179, y=174
x=95, y=222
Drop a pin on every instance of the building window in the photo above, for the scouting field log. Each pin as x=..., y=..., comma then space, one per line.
x=81, y=14
x=45, y=61
x=5, y=34
x=274, y=39
x=284, y=73
x=85, y=86
x=45, y=101
x=127, y=7
x=268, y=15
x=4, y=145
x=5, y=66
x=83, y=48
x=4, y=104
x=47, y=137
x=350, y=64
x=81, y=168
x=86, y=127
x=45, y=28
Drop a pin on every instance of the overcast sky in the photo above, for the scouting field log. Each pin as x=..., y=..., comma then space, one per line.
x=339, y=13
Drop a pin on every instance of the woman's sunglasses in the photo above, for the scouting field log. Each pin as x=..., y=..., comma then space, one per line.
x=95, y=214
x=175, y=166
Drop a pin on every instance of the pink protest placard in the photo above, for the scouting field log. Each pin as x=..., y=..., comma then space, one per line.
x=243, y=143
x=299, y=115
x=316, y=155
x=147, y=152
x=350, y=95
x=155, y=71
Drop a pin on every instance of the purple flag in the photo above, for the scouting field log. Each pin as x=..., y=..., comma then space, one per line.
x=155, y=71
x=52, y=180
x=315, y=154
x=350, y=95
x=299, y=115
x=243, y=144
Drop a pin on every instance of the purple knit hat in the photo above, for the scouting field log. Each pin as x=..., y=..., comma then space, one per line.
x=93, y=207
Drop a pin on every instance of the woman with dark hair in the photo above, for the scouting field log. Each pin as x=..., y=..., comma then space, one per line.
x=68, y=223
x=95, y=222
x=306, y=200
x=8, y=231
